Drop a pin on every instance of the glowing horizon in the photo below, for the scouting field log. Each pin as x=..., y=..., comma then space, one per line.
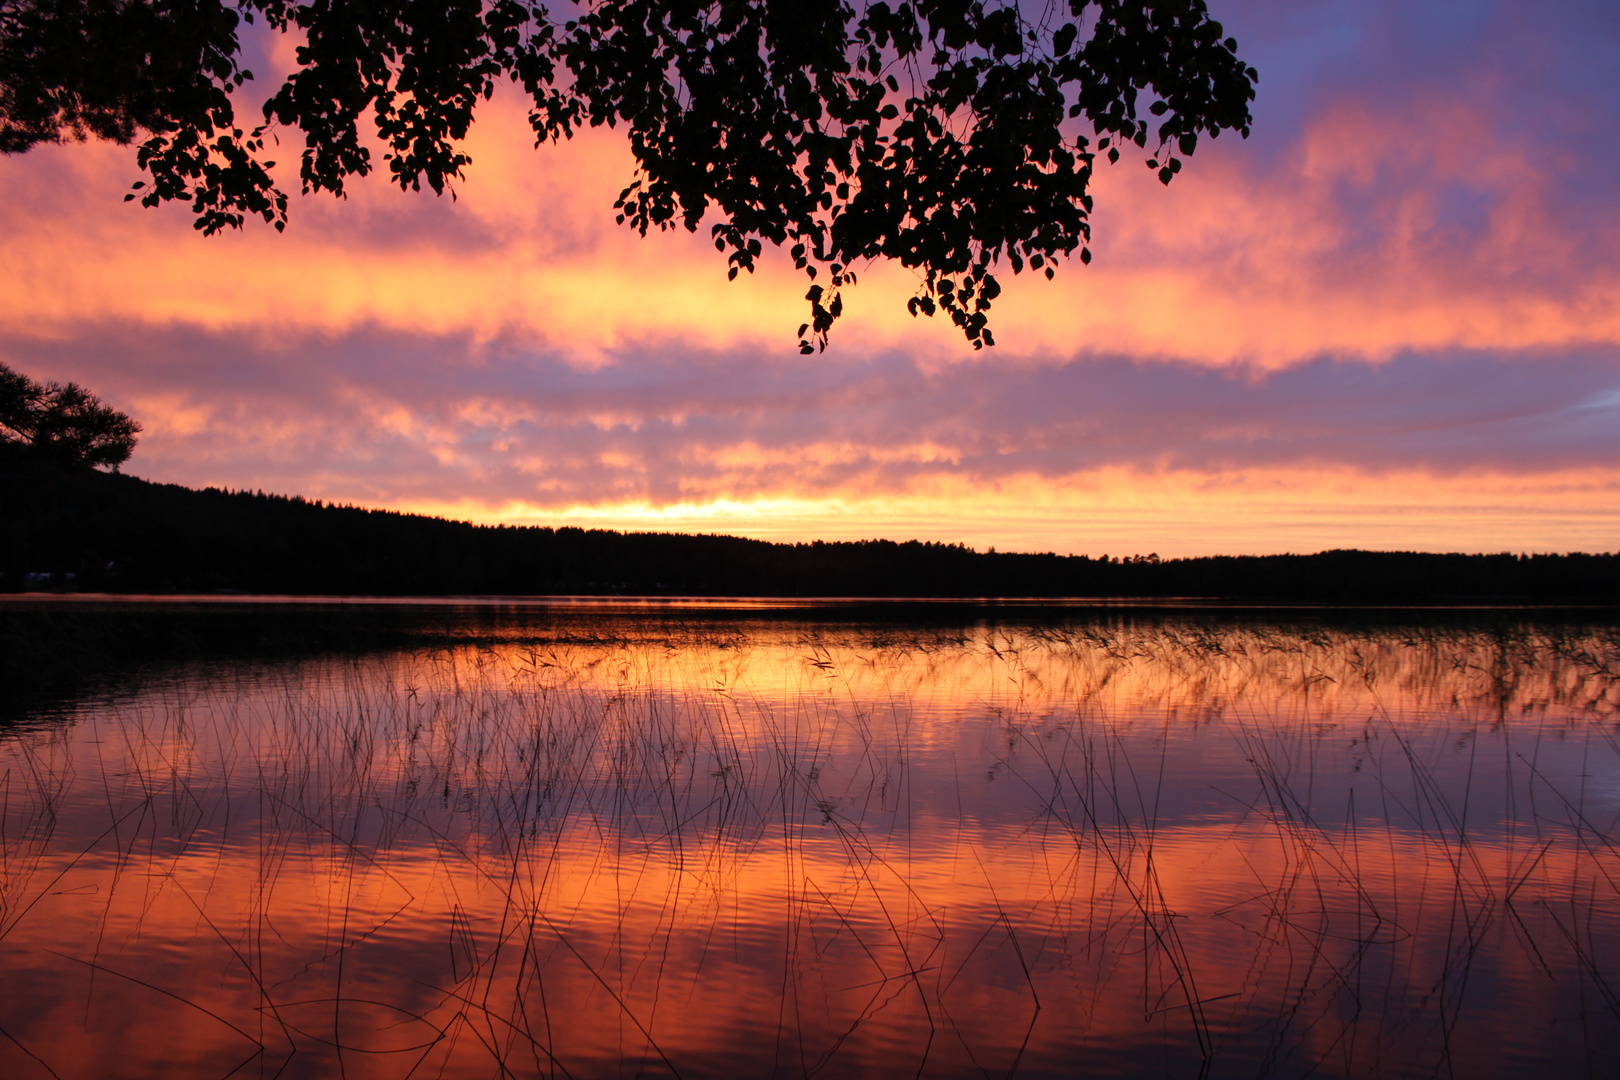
x=1389, y=320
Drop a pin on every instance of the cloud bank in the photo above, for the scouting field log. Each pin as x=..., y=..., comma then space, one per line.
x=1390, y=319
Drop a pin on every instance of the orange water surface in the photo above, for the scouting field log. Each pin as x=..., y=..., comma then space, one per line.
x=1097, y=847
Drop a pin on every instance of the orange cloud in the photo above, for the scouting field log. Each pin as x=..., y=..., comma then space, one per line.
x=1121, y=511
x=1229, y=265
x=513, y=355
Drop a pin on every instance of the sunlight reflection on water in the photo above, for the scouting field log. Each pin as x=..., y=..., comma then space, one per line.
x=741, y=848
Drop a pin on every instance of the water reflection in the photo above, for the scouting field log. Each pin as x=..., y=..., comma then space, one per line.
x=755, y=849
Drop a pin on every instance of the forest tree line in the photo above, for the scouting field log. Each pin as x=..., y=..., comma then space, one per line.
x=84, y=530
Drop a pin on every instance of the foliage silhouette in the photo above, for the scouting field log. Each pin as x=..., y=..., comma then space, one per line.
x=67, y=424
x=949, y=135
x=87, y=530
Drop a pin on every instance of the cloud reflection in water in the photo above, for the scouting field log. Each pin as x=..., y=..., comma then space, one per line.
x=648, y=847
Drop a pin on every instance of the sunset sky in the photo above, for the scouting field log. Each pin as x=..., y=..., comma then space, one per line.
x=1390, y=319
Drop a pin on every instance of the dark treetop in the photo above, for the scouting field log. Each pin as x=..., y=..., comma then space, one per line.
x=949, y=135
x=65, y=424
x=86, y=530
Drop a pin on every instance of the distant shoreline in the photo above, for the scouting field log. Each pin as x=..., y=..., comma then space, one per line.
x=744, y=604
x=73, y=532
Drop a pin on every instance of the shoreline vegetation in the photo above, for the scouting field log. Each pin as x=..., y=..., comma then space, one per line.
x=77, y=530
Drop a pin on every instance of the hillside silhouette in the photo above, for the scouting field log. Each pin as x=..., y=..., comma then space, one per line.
x=82, y=530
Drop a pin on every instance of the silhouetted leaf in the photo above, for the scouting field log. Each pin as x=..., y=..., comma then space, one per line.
x=773, y=117
x=65, y=423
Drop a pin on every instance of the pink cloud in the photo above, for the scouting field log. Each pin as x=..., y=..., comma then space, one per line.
x=1394, y=316
x=1342, y=246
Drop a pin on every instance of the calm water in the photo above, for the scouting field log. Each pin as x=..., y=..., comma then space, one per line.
x=621, y=844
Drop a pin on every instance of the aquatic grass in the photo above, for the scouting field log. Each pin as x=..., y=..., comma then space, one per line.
x=961, y=852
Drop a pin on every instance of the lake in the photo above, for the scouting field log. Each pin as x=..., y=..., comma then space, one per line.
x=648, y=840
